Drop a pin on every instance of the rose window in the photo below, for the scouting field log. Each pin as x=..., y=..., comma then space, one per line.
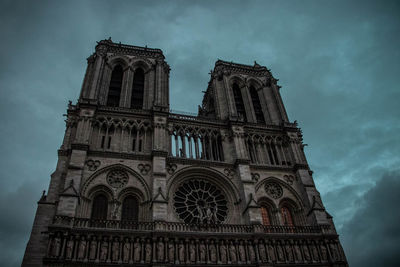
x=274, y=190
x=117, y=178
x=198, y=201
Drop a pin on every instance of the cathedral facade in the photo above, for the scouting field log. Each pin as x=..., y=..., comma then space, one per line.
x=139, y=185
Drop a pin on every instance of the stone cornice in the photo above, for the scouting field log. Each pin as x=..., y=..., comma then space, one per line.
x=119, y=155
x=198, y=162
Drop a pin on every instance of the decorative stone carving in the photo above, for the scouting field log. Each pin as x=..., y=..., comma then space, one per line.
x=115, y=250
x=192, y=252
x=56, y=246
x=93, y=248
x=171, y=251
x=289, y=179
x=202, y=250
x=334, y=252
x=181, y=252
x=273, y=189
x=232, y=252
x=271, y=253
x=144, y=168
x=213, y=252
x=117, y=178
x=297, y=251
x=306, y=252
x=198, y=201
x=255, y=177
x=93, y=164
x=289, y=252
x=137, y=249
x=314, y=252
x=252, y=254
x=148, y=251
x=103, y=250
x=171, y=168
x=242, y=253
x=222, y=251
x=261, y=250
x=279, y=252
x=229, y=172
x=126, y=250
x=69, y=248
x=324, y=252
x=160, y=250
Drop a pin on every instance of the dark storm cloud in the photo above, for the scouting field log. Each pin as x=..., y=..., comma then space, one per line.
x=338, y=63
x=371, y=237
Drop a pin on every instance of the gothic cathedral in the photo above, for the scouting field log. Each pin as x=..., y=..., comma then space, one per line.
x=139, y=185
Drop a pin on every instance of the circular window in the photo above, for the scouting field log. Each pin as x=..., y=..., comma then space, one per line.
x=274, y=190
x=198, y=201
x=117, y=178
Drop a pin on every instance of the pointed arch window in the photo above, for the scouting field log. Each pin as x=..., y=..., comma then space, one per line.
x=99, y=208
x=265, y=214
x=237, y=94
x=130, y=209
x=256, y=105
x=137, y=89
x=114, y=90
x=287, y=216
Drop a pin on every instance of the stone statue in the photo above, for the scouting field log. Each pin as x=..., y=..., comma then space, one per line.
x=279, y=251
x=271, y=253
x=314, y=252
x=69, y=249
x=148, y=251
x=307, y=256
x=209, y=215
x=297, y=251
x=93, y=248
x=137, y=249
x=232, y=252
x=202, y=249
x=126, y=250
x=160, y=250
x=56, y=246
x=81, y=248
x=192, y=251
x=222, y=251
x=263, y=255
x=115, y=250
x=334, y=252
x=181, y=252
x=242, y=253
x=289, y=252
x=201, y=215
x=103, y=250
x=252, y=254
x=213, y=252
x=115, y=209
x=171, y=251
x=324, y=253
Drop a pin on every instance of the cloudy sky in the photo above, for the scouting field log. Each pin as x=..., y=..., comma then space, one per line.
x=338, y=63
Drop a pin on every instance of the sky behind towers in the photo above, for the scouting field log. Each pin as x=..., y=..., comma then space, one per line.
x=338, y=63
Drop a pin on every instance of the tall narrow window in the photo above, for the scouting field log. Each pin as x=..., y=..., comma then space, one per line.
x=287, y=217
x=256, y=105
x=114, y=91
x=99, y=208
x=130, y=209
x=266, y=220
x=137, y=89
x=237, y=94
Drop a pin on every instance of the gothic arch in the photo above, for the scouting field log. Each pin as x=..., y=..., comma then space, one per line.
x=131, y=191
x=236, y=79
x=98, y=189
x=147, y=194
x=252, y=81
x=118, y=60
x=141, y=63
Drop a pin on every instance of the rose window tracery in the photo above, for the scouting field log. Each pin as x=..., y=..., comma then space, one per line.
x=274, y=190
x=117, y=178
x=199, y=201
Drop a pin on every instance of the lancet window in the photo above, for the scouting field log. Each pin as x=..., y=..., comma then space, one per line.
x=99, y=207
x=237, y=94
x=121, y=135
x=256, y=105
x=137, y=89
x=265, y=214
x=287, y=216
x=196, y=144
x=114, y=90
x=268, y=150
x=130, y=209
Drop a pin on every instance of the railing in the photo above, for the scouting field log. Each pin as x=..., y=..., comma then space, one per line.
x=65, y=221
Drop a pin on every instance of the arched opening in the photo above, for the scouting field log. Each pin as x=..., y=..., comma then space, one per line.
x=237, y=94
x=287, y=216
x=137, y=89
x=114, y=90
x=130, y=208
x=266, y=216
x=100, y=207
x=256, y=105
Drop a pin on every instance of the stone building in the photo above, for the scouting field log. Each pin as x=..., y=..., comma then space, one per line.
x=139, y=185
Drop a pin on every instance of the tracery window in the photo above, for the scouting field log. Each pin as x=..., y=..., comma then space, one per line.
x=100, y=207
x=114, y=90
x=137, y=89
x=130, y=209
x=199, y=201
x=287, y=217
x=256, y=105
x=265, y=214
x=237, y=94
